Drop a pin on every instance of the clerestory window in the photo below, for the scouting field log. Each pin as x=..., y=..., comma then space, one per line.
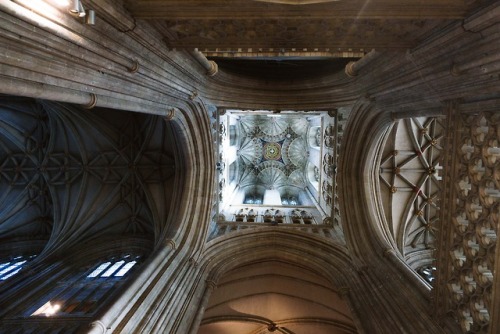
x=289, y=200
x=251, y=199
x=11, y=267
x=81, y=293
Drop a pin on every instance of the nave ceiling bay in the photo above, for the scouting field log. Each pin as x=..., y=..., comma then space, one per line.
x=70, y=175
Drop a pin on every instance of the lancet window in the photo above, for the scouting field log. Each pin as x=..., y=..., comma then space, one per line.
x=289, y=200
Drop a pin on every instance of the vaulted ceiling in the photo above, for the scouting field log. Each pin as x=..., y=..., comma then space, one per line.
x=71, y=175
x=274, y=296
x=273, y=151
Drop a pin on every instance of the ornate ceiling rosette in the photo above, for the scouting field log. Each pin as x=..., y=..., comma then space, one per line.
x=271, y=151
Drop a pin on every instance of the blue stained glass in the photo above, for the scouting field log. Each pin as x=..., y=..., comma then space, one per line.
x=7, y=272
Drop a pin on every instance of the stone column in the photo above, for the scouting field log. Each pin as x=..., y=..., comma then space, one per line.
x=210, y=286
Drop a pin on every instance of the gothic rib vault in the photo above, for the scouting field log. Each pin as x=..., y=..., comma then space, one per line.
x=295, y=181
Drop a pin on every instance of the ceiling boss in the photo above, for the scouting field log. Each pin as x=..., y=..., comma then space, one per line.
x=272, y=151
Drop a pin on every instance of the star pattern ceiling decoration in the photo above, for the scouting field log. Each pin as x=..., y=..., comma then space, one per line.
x=51, y=154
x=275, y=149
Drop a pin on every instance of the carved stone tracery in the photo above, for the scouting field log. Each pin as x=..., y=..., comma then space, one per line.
x=468, y=250
x=253, y=34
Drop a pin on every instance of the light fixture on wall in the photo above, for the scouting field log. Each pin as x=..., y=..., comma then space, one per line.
x=90, y=17
x=78, y=10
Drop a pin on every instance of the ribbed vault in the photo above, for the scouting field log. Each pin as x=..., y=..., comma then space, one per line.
x=410, y=177
x=69, y=175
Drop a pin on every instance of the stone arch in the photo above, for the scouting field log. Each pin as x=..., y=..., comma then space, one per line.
x=358, y=179
x=192, y=129
x=228, y=251
x=366, y=230
x=171, y=229
x=290, y=251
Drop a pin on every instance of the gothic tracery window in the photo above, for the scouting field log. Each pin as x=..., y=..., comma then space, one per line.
x=80, y=293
